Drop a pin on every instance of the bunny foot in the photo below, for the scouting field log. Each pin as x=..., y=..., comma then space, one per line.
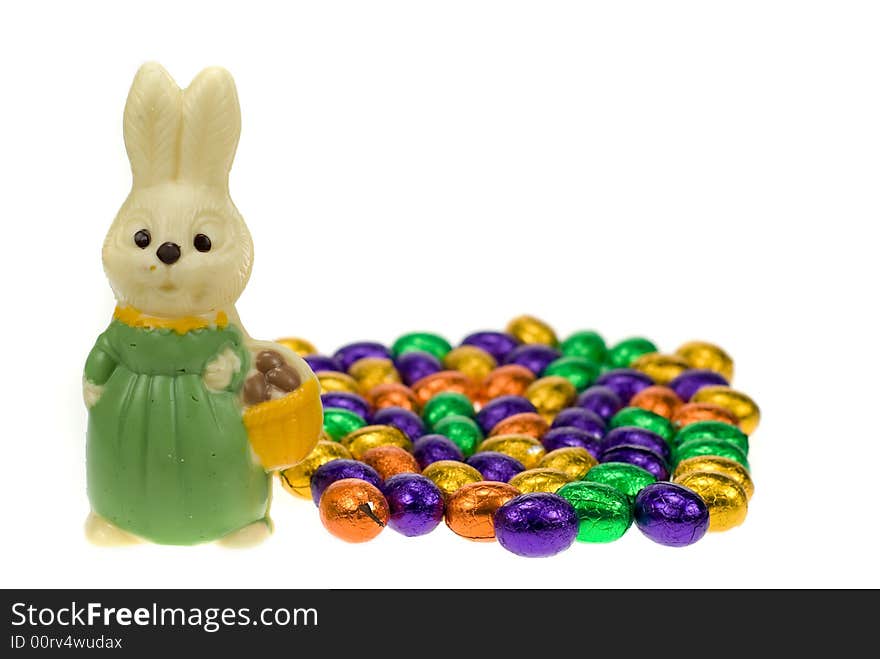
x=102, y=533
x=248, y=536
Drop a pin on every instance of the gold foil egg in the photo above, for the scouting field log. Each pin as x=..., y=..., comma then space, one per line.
x=336, y=381
x=525, y=423
x=574, y=461
x=470, y=511
x=528, y=329
x=363, y=439
x=474, y=362
x=296, y=479
x=299, y=346
x=540, y=479
x=739, y=404
x=699, y=354
x=663, y=369
x=527, y=450
x=657, y=399
x=716, y=464
x=725, y=498
x=551, y=395
x=370, y=372
x=450, y=475
x=392, y=394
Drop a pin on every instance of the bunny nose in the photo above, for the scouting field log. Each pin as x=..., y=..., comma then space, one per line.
x=168, y=253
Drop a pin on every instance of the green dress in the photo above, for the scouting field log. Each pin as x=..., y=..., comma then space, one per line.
x=169, y=460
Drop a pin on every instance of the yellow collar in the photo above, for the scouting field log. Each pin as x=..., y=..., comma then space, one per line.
x=134, y=318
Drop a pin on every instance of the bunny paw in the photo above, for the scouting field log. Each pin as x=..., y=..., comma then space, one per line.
x=91, y=393
x=220, y=371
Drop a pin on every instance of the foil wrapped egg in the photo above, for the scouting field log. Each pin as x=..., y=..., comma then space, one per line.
x=604, y=513
x=337, y=381
x=534, y=357
x=580, y=371
x=635, y=436
x=627, y=478
x=717, y=464
x=699, y=354
x=539, y=479
x=661, y=368
x=574, y=461
x=494, y=466
x=353, y=510
x=349, y=354
x=550, y=395
x=536, y=525
x=714, y=430
x=451, y=475
x=470, y=510
x=298, y=345
x=413, y=366
x=338, y=469
x=640, y=457
x=737, y=403
x=339, y=422
x=693, y=412
x=444, y=404
x=658, y=399
x=508, y=380
x=641, y=418
x=526, y=423
x=671, y=515
x=429, y=449
x=570, y=436
x=692, y=380
x=497, y=344
x=624, y=353
x=346, y=401
x=601, y=400
x=474, y=362
x=500, y=408
x=428, y=387
x=415, y=504
x=297, y=479
x=370, y=372
x=363, y=439
x=581, y=418
x=318, y=362
x=390, y=460
x=392, y=394
x=433, y=344
x=587, y=344
x=462, y=430
x=406, y=421
x=708, y=446
x=625, y=382
x=531, y=330
x=725, y=498
x=527, y=450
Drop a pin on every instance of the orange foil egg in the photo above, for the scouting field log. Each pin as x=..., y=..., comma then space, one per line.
x=392, y=394
x=509, y=380
x=431, y=385
x=391, y=460
x=657, y=399
x=692, y=412
x=525, y=423
x=470, y=510
x=353, y=510
x=370, y=372
x=474, y=362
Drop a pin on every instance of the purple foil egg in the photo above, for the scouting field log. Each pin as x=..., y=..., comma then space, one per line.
x=601, y=400
x=536, y=525
x=323, y=363
x=495, y=466
x=571, y=436
x=347, y=401
x=497, y=344
x=407, y=422
x=349, y=354
x=640, y=457
x=694, y=379
x=534, y=357
x=500, y=408
x=415, y=504
x=335, y=470
x=625, y=382
x=588, y=421
x=429, y=449
x=671, y=514
x=415, y=365
x=633, y=436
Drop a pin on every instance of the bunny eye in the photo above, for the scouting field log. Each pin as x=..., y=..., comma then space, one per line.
x=202, y=243
x=142, y=238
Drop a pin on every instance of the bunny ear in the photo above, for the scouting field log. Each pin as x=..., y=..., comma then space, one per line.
x=211, y=126
x=151, y=125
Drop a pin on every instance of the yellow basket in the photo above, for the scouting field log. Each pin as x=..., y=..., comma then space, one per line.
x=284, y=431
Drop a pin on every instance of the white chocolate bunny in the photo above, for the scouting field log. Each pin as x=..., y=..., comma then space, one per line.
x=169, y=444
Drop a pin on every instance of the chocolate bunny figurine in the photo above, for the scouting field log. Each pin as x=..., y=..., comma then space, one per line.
x=175, y=453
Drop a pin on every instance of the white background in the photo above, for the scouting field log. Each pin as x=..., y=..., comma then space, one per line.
x=678, y=170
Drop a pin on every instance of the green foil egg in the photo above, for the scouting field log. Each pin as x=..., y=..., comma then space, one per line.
x=636, y=416
x=421, y=341
x=580, y=371
x=338, y=422
x=714, y=430
x=463, y=431
x=626, y=478
x=604, y=513
x=444, y=404
x=587, y=344
x=623, y=354
x=708, y=446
